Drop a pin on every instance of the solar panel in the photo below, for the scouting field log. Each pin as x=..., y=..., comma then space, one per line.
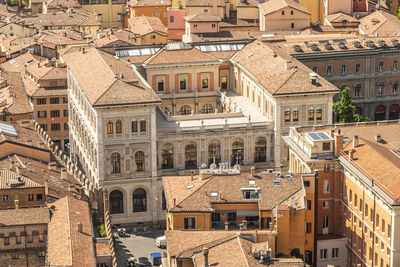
x=8, y=129
x=320, y=136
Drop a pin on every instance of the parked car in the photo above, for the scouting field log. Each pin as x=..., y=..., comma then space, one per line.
x=143, y=262
x=156, y=258
x=131, y=262
x=161, y=242
x=122, y=232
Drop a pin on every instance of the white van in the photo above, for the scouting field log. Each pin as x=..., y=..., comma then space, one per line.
x=161, y=242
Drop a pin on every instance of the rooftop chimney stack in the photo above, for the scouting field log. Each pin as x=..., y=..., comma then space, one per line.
x=191, y=175
x=253, y=171
x=174, y=202
x=356, y=141
x=338, y=143
x=351, y=154
x=16, y=203
x=80, y=230
x=378, y=138
x=205, y=257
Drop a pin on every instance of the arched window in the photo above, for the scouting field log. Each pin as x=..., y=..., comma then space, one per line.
x=167, y=156
x=115, y=163
x=116, y=202
x=139, y=160
x=329, y=70
x=190, y=156
x=118, y=126
x=110, y=127
x=381, y=89
x=237, y=152
x=185, y=110
x=395, y=88
x=358, y=68
x=164, y=202
x=207, y=109
x=380, y=113
x=139, y=198
x=214, y=152
x=394, y=112
x=261, y=150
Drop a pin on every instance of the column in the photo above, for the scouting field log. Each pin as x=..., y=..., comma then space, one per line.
x=153, y=143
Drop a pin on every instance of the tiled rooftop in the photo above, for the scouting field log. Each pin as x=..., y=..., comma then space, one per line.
x=24, y=216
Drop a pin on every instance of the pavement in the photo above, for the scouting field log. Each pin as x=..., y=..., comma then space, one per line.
x=140, y=244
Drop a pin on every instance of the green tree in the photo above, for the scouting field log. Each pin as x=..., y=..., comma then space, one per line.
x=345, y=108
x=397, y=13
x=102, y=230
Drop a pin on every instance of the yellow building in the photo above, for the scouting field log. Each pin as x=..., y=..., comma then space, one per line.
x=111, y=13
x=274, y=204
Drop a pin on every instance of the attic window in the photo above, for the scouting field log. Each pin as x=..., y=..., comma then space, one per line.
x=250, y=193
x=214, y=194
x=252, y=182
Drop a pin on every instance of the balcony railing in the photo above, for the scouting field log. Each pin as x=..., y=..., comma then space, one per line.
x=234, y=225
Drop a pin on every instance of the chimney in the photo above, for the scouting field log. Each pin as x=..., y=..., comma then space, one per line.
x=191, y=175
x=255, y=236
x=205, y=257
x=332, y=133
x=220, y=195
x=274, y=53
x=16, y=202
x=288, y=64
x=351, y=154
x=378, y=138
x=281, y=169
x=174, y=202
x=355, y=141
x=253, y=171
x=214, y=8
x=338, y=143
x=80, y=230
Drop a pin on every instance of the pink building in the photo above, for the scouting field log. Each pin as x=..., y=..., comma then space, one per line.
x=336, y=6
x=176, y=23
x=200, y=23
x=283, y=15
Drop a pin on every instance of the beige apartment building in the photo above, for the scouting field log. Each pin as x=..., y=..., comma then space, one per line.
x=360, y=165
x=198, y=105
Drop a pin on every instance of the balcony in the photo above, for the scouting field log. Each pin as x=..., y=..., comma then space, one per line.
x=236, y=225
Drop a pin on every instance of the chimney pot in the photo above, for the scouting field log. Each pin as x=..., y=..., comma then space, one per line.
x=378, y=138
x=191, y=175
x=338, y=143
x=355, y=141
x=174, y=202
x=80, y=230
x=351, y=154
x=205, y=257
x=253, y=171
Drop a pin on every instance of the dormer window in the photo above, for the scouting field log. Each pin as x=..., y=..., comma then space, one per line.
x=250, y=193
x=214, y=194
x=252, y=182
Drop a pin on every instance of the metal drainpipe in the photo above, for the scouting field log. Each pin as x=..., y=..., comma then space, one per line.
x=315, y=215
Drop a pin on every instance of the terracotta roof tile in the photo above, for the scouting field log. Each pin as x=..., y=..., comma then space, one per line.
x=13, y=96
x=379, y=22
x=178, y=56
x=275, y=75
x=141, y=3
x=145, y=25
x=192, y=3
x=24, y=216
x=78, y=18
x=341, y=17
x=62, y=3
x=202, y=17
x=10, y=179
x=103, y=78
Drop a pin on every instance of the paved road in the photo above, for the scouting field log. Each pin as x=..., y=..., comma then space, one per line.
x=138, y=245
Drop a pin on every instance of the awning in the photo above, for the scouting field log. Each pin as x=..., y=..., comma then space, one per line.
x=247, y=213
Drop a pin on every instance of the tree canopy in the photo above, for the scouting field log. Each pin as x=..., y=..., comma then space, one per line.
x=345, y=108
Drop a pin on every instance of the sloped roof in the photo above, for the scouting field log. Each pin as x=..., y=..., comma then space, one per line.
x=144, y=25
x=62, y=3
x=13, y=96
x=11, y=179
x=272, y=73
x=78, y=18
x=341, y=17
x=142, y=3
x=11, y=217
x=203, y=3
x=103, y=77
x=271, y=6
x=380, y=22
x=194, y=195
x=203, y=17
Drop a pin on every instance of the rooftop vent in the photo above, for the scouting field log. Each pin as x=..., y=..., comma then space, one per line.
x=277, y=181
x=342, y=46
x=315, y=47
x=357, y=44
x=288, y=177
x=395, y=42
x=328, y=47
x=297, y=48
x=370, y=44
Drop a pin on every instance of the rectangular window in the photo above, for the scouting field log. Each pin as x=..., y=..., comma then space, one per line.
x=366, y=210
x=66, y=127
x=250, y=194
x=160, y=86
x=54, y=100
x=355, y=200
x=287, y=115
x=325, y=222
x=42, y=114
x=39, y=197
x=204, y=83
x=377, y=221
x=325, y=204
x=134, y=126
x=381, y=66
x=18, y=239
x=306, y=184
x=54, y=113
x=30, y=197
x=65, y=112
x=5, y=198
x=383, y=226
x=182, y=83
x=190, y=223
x=308, y=204
x=55, y=126
x=358, y=68
x=30, y=239
x=6, y=241
x=308, y=227
x=351, y=196
x=212, y=25
x=119, y=17
x=395, y=65
x=65, y=100
x=326, y=146
x=295, y=115
x=311, y=114
x=195, y=26
x=319, y=114
x=143, y=125
x=41, y=101
x=335, y=252
x=327, y=187
x=292, y=25
x=53, y=84
x=343, y=69
x=323, y=253
x=171, y=19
